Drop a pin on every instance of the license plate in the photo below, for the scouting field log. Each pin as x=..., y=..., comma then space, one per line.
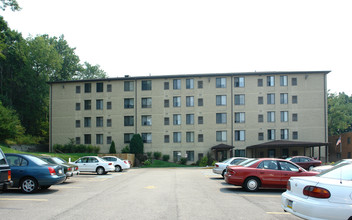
x=60, y=171
x=289, y=204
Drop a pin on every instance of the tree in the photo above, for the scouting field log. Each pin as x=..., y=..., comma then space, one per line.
x=10, y=125
x=91, y=72
x=112, y=149
x=136, y=144
x=339, y=113
x=11, y=3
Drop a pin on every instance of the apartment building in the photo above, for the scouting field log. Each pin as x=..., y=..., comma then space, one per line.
x=187, y=115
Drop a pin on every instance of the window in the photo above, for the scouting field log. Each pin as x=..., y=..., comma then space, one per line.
x=87, y=139
x=220, y=100
x=190, y=137
x=166, y=86
x=177, y=101
x=146, y=85
x=166, y=103
x=271, y=116
x=177, y=156
x=260, y=82
x=283, y=98
x=87, y=104
x=220, y=82
x=87, y=122
x=78, y=123
x=128, y=120
x=87, y=87
x=177, y=119
x=189, y=119
x=348, y=140
x=99, y=121
x=294, y=99
x=189, y=101
x=200, y=138
x=270, y=80
x=99, y=139
x=260, y=136
x=147, y=137
x=221, y=118
x=284, y=116
x=239, y=135
x=294, y=81
x=108, y=105
x=200, y=84
x=128, y=86
x=260, y=100
x=78, y=89
x=284, y=134
x=295, y=135
x=166, y=121
x=260, y=118
x=177, y=137
x=128, y=103
x=189, y=83
x=240, y=153
x=271, y=134
x=78, y=106
x=221, y=136
x=190, y=155
x=99, y=104
x=239, y=81
x=166, y=138
x=283, y=80
x=200, y=102
x=200, y=120
x=294, y=117
x=100, y=87
x=109, y=89
x=176, y=84
x=239, y=99
x=270, y=98
x=239, y=117
x=78, y=140
x=146, y=102
x=146, y=120
x=108, y=140
x=127, y=137
x=108, y=122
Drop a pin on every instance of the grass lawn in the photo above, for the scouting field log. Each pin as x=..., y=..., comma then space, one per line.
x=160, y=163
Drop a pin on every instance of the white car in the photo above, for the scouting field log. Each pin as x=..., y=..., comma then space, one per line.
x=94, y=164
x=220, y=167
x=327, y=195
x=119, y=164
x=326, y=167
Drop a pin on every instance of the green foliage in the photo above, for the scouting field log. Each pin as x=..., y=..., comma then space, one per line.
x=149, y=155
x=157, y=155
x=10, y=125
x=136, y=144
x=160, y=163
x=125, y=150
x=339, y=113
x=203, y=162
x=72, y=148
x=183, y=161
x=166, y=157
x=91, y=72
x=112, y=149
x=147, y=162
x=9, y=3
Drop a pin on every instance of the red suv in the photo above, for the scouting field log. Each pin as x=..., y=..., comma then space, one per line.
x=306, y=162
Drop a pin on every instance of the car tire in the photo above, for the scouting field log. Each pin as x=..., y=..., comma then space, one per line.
x=223, y=174
x=45, y=187
x=118, y=168
x=100, y=170
x=310, y=168
x=29, y=185
x=251, y=184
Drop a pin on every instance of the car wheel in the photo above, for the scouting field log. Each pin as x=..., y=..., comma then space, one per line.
x=251, y=184
x=118, y=168
x=45, y=187
x=223, y=174
x=310, y=167
x=100, y=170
x=29, y=185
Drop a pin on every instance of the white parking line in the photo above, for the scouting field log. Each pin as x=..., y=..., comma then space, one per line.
x=18, y=199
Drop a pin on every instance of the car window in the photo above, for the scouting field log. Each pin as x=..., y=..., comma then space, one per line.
x=2, y=159
x=288, y=166
x=57, y=160
x=268, y=164
x=250, y=163
x=295, y=160
x=342, y=171
x=35, y=160
x=23, y=162
x=236, y=161
x=304, y=159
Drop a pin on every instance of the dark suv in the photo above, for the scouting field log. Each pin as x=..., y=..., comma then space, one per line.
x=5, y=172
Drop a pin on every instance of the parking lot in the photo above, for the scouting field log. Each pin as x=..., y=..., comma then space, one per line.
x=165, y=193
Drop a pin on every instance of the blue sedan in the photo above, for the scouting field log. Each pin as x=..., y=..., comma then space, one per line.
x=30, y=172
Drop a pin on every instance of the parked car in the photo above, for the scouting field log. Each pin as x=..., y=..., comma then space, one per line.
x=119, y=164
x=306, y=162
x=30, y=172
x=324, y=196
x=69, y=169
x=264, y=172
x=5, y=172
x=220, y=167
x=326, y=167
x=94, y=164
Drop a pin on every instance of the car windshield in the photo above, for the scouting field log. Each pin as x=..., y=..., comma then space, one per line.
x=225, y=161
x=58, y=160
x=342, y=172
x=341, y=162
x=289, y=158
x=250, y=163
x=245, y=162
x=36, y=160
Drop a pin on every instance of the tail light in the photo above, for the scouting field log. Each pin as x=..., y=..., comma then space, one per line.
x=316, y=192
x=76, y=168
x=110, y=164
x=288, y=186
x=9, y=175
x=69, y=169
x=52, y=171
x=216, y=165
x=125, y=162
x=230, y=171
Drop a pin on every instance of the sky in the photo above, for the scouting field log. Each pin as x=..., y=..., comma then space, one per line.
x=163, y=37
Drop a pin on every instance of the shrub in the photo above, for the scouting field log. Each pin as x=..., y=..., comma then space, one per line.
x=149, y=155
x=147, y=162
x=96, y=149
x=157, y=155
x=112, y=149
x=203, y=162
x=183, y=160
x=166, y=157
x=125, y=150
x=136, y=144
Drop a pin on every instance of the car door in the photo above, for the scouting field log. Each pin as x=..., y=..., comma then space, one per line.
x=288, y=169
x=82, y=164
x=18, y=168
x=92, y=164
x=269, y=173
